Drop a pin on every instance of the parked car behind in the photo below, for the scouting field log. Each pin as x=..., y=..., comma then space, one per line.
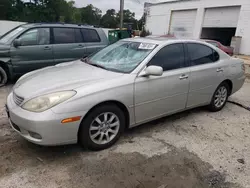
x=227, y=49
x=123, y=85
x=34, y=46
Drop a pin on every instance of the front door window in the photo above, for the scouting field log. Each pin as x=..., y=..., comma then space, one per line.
x=38, y=36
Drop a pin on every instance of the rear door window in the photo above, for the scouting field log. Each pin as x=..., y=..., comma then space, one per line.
x=90, y=35
x=200, y=54
x=64, y=35
x=78, y=36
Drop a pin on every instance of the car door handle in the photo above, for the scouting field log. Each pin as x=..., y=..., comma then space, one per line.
x=219, y=70
x=47, y=48
x=183, y=77
x=80, y=45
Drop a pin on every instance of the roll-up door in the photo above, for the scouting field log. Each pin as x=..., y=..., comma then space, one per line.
x=182, y=23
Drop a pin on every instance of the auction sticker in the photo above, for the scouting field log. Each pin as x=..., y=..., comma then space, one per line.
x=146, y=46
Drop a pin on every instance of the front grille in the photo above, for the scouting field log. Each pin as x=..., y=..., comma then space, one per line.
x=17, y=99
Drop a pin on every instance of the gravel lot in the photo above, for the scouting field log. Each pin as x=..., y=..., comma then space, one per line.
x=193, y=149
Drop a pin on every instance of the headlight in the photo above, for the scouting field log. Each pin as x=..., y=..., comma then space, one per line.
x=45, y=102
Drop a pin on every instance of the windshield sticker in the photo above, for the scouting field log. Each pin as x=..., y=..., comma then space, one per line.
x=146, y=46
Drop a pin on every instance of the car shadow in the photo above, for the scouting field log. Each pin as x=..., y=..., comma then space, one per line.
x=51, y=152
x=161, y=122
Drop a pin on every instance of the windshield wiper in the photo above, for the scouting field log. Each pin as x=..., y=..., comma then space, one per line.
x=86, y=60
x=99, y=66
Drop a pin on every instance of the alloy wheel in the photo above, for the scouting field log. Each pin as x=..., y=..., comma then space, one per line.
x=104, y=128
x=220, y=97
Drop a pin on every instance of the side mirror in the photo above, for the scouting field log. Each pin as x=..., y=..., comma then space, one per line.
x=16, y=43
x=152, y=71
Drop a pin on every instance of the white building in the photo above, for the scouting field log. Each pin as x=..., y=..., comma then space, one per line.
x=5, y=25
x=212, y=19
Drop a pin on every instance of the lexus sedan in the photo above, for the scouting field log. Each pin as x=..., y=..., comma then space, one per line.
x=92, y=100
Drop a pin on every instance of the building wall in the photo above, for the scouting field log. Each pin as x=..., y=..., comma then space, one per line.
x=158, y=19
x=5, y=26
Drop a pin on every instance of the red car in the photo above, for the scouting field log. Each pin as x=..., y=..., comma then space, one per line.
x=229, y=50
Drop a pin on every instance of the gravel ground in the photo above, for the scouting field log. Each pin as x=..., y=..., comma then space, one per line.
x=193, y=149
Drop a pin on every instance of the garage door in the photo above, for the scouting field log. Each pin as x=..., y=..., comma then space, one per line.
x=221, y=17
x=182, y=23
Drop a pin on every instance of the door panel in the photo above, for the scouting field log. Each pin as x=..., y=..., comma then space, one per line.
x=160, y=95
x=206, y=73
x=29, y=58
x=35, y=51
x=68, y=52
x=204, y=79
x=93, y=47
x=68, y=44
x=157, y=96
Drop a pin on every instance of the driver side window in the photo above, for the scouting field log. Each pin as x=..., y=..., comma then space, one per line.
x=38, y=36
x=169, y=57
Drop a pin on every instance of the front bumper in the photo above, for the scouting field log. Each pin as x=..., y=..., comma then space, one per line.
x=43, y=128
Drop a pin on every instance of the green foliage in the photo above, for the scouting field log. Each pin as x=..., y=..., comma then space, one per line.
x=109, y=20
x=145, y=33
x=63, y=11
x=91, y=15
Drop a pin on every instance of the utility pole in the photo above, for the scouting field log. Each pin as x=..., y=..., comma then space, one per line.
x=121, y=13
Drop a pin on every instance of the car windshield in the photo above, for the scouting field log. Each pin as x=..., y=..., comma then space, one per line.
x=123, y=56
x=9, y=35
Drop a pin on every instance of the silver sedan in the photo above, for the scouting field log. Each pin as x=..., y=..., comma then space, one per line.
x=92, y=100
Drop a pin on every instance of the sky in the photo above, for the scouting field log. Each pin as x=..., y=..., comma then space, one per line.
x=135, y=6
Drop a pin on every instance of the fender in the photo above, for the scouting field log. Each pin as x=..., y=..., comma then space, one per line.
x=7, y=62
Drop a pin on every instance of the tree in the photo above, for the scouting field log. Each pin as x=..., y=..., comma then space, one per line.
x=11, y=10
x=62, y=11
x=141, y=22
x=109, y=19
x=4, y=7
x=128, y=19
x=91, y=15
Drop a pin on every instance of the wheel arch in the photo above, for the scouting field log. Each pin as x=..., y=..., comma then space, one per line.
x=111, y=102
x=230, y=84
x=6, y=68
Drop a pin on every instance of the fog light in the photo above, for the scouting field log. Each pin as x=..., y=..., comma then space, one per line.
x=35, y=135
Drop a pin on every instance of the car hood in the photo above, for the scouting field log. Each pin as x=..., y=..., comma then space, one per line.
x=64, y=76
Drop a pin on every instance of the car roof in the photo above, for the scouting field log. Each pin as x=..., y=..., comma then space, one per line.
x=162, y=40
x=30, y=25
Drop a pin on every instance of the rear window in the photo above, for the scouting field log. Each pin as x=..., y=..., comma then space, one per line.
x=78, y=36
x=90, y=35
x=64, y=35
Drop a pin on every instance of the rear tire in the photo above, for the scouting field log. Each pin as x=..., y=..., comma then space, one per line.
x=3, y=77
x=102, y=127
x=220, y=97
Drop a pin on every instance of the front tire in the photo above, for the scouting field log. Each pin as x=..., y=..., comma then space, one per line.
x=3, y=77
x=220, y=97
x=102, y=127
